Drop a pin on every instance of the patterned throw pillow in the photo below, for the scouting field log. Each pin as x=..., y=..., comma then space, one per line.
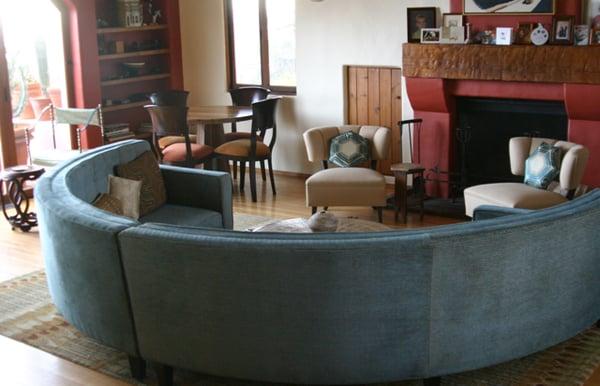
x=108, y=203
x=348, y=149
x=145, y=168
x=543, y=166
x=128, y=193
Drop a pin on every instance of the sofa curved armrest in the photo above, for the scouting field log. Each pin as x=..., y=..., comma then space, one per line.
x=487, y=212
x=200, y=189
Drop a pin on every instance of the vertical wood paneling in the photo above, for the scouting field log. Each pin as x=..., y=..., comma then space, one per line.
x=374, y=97
x=352, y=97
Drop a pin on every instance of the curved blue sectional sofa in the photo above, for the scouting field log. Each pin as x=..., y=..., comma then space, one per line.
x=317, y=309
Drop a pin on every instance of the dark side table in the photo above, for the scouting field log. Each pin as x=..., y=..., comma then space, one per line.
x=15, y=177
x=401, y=172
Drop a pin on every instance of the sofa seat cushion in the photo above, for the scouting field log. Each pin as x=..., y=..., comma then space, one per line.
x=171, y=139
x=241, y=148
x=184, y=216
x=510, y=195
x=346, y=187
x=177, y=152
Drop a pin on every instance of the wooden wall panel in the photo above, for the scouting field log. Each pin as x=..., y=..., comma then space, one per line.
x=374, y=97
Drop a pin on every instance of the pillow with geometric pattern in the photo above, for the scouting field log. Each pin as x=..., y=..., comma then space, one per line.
x=145, y=168
x=348, y=149
x=543, y=166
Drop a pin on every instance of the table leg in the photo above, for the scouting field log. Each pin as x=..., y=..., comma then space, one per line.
x=213, y=135
x=401, y=195
x=23, y=219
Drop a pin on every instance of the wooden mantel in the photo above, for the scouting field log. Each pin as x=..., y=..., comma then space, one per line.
x=547, y=64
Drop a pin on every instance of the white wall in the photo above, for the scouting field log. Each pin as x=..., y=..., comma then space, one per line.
x=330, y=34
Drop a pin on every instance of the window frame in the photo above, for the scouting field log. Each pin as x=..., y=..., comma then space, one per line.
x=264, y=51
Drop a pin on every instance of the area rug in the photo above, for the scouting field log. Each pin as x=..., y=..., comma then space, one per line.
x=28, y=315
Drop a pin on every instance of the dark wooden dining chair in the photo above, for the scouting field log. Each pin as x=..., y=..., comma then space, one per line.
x=169, y=98
x=254, y=149
x=172, y=121
x=245, y=96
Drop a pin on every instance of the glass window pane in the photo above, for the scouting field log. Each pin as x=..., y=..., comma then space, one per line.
x=246, y=35
x=281, y=16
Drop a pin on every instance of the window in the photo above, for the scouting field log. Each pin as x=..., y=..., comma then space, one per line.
x=262, y=44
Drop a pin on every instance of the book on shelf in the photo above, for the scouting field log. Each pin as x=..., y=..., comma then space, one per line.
x=120, y=137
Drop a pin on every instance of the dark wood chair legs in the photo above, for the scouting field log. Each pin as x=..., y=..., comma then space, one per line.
x=253, y=180
x=138, y=367
x=380, y=214
x=234, y=168
x=164, y=374
x=271, y=176
x=263, y=170
x=242, y=175
x=437, y=381
x=314, y=210
x=598, y=324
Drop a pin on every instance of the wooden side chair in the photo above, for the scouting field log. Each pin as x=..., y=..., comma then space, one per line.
x=254, y=149
x=168, y=121
x=245, y=96
x=171, y=98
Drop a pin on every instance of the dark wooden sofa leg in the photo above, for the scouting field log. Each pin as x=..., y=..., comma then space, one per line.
x=138, y=367
x=380, y=214
x=437, y=381
x=164, y=374
x=598, y=324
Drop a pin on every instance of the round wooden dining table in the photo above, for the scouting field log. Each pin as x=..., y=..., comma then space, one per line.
x=208, y=122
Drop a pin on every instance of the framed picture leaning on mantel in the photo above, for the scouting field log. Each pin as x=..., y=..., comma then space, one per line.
x=509, y=7
x=562, y=30
x=419, y=18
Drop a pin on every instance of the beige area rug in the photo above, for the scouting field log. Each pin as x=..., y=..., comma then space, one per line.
x=28, y=315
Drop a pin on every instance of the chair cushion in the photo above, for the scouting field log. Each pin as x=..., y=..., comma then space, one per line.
x=177, y=152
x=171, y=139
x=510, y=195
x=543, y=166
x=346, y=187
x=184, y=216
x=232, y=136
x=241, y=148
x=145, y=168
x=52, y=157
x=348, y=149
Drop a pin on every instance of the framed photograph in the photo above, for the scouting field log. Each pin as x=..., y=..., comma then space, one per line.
x=419, y=18
x=581, y=33
x=453, y=35
x=452, y=20
x=431, y=35
x=562, y=30
x=523, y=34
x=514, y=7
x=595, y=36
x=503, y=36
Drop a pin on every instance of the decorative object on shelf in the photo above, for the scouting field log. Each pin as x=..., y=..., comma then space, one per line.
x=323, y=222
x=595, y=36
x=119, y=47
x=494, y=7
x=540, y=35
x=453, y=35
x=133, y=68
x=101, y=23
x=562, y=30
x=431, y=35
x=156, y=16
x=504, y=36
x=468, y=33
x=418, y=19
x=581, y=34
x=487, y=37
x=452, y=20
x=523, y=35
x=596, y=20
x=130, y=13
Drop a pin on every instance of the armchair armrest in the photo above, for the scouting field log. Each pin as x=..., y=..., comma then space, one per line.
x=201, y=189
x=487, y=212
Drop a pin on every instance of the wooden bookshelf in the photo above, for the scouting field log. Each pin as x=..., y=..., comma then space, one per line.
x=124, y=106
x=116, y=30
x=135, y=54
x=134, y=79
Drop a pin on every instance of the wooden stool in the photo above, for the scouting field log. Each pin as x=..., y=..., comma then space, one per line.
x=401, y=172
x=15, y=177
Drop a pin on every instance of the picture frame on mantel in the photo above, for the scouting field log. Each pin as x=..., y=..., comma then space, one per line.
x=418, y=19
x=509, y=7
x=562, y=30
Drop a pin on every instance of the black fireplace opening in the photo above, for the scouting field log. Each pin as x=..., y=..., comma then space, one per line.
x=485, y=127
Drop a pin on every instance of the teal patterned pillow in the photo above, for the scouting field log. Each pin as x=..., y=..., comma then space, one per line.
x=543, y=166
x=348, y=149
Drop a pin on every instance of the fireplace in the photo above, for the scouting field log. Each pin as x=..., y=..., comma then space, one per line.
x=485, y=126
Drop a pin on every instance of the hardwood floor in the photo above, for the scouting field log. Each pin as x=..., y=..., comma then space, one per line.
x=22, y=365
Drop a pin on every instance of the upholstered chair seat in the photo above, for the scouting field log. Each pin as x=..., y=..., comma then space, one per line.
x=346, y=187
x=235, y=135
x=573, y=161
x=242, y=148
x=171, y=139
x=177, y=152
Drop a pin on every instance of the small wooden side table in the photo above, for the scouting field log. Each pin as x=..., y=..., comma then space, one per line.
x=15, y=177
x=401, y=172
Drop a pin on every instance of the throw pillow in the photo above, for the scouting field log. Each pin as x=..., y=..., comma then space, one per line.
x=145, y=168
x=109, y=203
x=128, y=192
x=543, y=166
x=348, y=149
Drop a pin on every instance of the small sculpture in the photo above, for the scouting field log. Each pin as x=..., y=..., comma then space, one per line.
x=323, y=222
x=156, y=16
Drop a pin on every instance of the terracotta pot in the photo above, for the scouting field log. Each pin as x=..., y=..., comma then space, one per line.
x=39, y=104
x=55, y=96
x=34, y=90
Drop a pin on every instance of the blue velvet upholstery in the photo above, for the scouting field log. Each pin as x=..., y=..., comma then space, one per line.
x=185, y=216
x=488, y=212
x=321, y=308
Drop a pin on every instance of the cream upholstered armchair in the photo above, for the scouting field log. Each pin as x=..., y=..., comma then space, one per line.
x=520, y=195
x=351, y=186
